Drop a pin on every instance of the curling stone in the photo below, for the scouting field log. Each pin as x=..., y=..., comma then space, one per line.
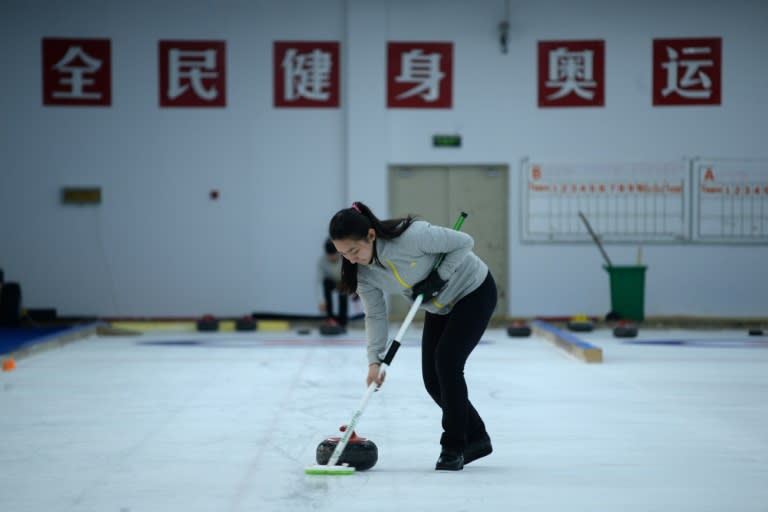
x=360, y=453
x=208, y=323
x=519, y=330
x=580, y=323
x=625, y=330
x=332, y=328
x=755, y=332
x=303, y=331
x=246, y=323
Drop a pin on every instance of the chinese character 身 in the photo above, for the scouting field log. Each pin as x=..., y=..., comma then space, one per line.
x=424, y=70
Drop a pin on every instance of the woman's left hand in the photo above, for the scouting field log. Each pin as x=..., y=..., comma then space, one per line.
x=373, y=375
x=429, y=287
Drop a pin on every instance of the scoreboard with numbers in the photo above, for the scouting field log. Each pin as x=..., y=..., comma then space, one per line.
x=645, y=201
x=731, y=201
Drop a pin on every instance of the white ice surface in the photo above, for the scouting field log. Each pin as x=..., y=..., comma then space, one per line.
x=229, y=422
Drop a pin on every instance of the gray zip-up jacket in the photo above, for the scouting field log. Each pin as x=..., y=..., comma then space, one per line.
x=405, y=261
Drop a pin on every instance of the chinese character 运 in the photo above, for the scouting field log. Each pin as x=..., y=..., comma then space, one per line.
x=694, y=83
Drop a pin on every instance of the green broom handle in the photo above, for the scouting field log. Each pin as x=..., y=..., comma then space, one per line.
x=457, y=227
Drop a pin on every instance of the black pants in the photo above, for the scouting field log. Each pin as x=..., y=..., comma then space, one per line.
x=329, y=285
x=446, y=343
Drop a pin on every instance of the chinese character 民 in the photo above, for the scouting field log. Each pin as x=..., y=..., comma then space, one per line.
x=188, y=68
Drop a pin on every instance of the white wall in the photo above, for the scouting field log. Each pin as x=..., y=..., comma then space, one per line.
x=157, y=246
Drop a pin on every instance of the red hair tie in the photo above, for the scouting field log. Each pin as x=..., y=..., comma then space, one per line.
x=356, y=208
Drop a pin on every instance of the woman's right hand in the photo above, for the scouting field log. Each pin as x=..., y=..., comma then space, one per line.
x=373, y=375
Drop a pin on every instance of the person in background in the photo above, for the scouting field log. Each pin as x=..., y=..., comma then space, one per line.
x=328, y=280
x=397, y=256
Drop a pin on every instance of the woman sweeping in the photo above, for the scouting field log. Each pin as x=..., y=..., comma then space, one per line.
x=397, y=256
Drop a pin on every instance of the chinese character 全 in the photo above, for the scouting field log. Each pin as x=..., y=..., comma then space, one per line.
x=76, y=63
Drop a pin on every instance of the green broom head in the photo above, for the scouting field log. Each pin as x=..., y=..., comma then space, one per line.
x=324, y=469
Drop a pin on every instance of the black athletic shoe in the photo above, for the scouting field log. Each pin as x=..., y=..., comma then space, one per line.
x=477, y=449
x=450, y=460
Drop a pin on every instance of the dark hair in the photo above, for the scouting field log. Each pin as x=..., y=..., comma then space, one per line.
x=353, y=224
x=329, y=247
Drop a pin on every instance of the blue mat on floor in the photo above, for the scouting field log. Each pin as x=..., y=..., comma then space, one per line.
x=753, y=341
x=13, y=339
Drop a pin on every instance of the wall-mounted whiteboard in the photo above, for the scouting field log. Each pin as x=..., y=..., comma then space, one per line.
x=730, y=201
x=628, y=202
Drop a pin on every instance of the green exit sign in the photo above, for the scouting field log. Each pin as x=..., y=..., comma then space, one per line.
x=446, y=141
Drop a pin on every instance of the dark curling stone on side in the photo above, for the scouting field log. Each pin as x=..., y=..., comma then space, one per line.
x=246, y=323
x=519, y=330
x=332, y=329
x=625, y=330
x=208, y=323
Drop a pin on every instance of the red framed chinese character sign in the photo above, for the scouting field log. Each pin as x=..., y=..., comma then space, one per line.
x=77, y=72
x=193, y=73
x=687, y=71
x=419, y=75
x=306, y=74
x=571, y=73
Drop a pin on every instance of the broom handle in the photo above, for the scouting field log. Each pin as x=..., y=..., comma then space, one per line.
x=597, y=241
x=457, y=226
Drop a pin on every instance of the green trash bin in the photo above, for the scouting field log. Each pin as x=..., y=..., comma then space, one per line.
x=627, y=290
